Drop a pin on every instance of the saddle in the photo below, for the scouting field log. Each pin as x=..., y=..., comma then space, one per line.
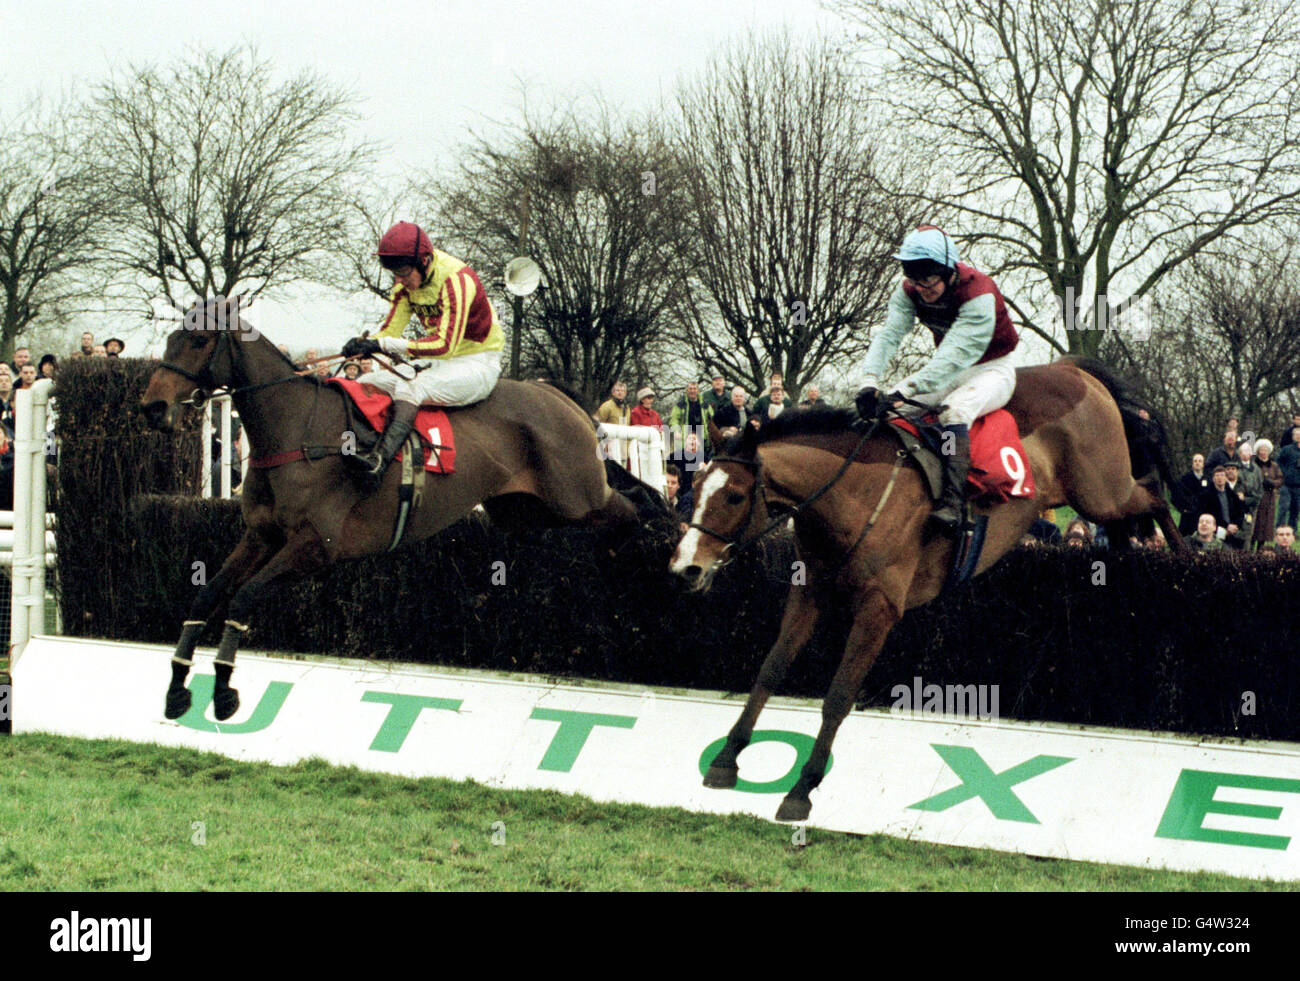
x=999, y=469
x=368, y=409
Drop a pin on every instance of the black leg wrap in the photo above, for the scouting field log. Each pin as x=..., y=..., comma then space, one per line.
x=225, y=700
x=189, y=640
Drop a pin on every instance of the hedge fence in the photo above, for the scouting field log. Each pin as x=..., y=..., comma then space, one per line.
x=1207, y=644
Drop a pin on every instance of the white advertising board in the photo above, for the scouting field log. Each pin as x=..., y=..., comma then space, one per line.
x=1096, y=795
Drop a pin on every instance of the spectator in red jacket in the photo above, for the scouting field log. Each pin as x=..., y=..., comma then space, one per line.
x=644, y=413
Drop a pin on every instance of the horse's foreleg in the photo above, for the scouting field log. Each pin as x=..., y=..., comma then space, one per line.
x=802, y=611
x=301, y=554
x=875, y=618
x=248, y=555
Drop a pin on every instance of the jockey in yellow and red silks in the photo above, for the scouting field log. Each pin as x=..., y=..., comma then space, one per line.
x=456, y=350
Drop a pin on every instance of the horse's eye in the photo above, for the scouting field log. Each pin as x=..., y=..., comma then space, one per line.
x=735, y=498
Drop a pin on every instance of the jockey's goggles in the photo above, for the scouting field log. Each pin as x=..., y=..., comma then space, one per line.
x=400, y=264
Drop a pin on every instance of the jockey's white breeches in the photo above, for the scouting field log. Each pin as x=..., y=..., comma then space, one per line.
x=447, y=381
x=974, y=392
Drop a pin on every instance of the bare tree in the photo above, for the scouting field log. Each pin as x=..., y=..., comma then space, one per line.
x=1227, y=342
x=595, y=201
x=230, y=182
x=794, y=212
x=1101, y=144
x=52, y=222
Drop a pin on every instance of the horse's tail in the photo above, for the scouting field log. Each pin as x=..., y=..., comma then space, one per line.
x=1148, y=443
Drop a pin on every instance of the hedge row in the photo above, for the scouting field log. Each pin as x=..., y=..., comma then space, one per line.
x=1163, y=643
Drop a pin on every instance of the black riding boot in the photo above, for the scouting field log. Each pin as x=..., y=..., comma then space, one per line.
x=373, y=464
x=957, y=467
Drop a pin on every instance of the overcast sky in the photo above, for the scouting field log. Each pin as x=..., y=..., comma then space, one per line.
x=427, y=72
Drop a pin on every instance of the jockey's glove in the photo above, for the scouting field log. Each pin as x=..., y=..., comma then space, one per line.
x=397, y=347
x=360, y=347
x=866, y=400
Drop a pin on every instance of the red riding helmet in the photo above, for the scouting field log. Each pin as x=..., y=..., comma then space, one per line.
x=405, y=244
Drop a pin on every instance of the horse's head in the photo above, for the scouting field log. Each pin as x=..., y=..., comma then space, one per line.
x=199, y=358
x=727, y=509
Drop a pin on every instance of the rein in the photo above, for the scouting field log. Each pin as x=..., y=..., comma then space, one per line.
x=739, y=542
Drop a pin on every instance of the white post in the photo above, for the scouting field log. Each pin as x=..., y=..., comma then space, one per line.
x=205, y=472
x=225, y=448
x=27, y=605
x=646, y=460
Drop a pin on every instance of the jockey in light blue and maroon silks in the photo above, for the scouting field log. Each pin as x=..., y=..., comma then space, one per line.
x=456, y=352
x=971, y=371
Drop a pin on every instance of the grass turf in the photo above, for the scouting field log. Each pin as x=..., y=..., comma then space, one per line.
x=88, y=815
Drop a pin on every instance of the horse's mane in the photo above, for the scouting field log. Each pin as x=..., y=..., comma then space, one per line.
x=813, y=421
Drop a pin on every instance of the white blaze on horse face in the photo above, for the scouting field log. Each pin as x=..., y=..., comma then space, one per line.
x=691, y=541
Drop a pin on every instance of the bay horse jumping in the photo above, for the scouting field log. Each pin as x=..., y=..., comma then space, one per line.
x=860, y=508
x=528, y=453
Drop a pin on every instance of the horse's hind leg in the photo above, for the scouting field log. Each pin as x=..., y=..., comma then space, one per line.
x=251, y=552
x=875, y=618
x=802, y=611
x=300, y=555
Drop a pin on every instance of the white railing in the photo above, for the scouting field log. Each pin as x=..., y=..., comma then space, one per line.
x=29, y=557
x=646, y=455
x=227, y=449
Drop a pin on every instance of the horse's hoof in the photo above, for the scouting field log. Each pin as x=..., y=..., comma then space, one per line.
x=794, y=809
x=178, y=702
x=722, y=777
x=225, y=703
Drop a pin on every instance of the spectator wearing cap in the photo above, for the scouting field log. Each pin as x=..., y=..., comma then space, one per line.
x=644, y=414
x=113, y=347
x=351, y=370
x=716, y=397
x=48, y=366
x=1270, y=479
x=1206, y=538
x=1224, y=507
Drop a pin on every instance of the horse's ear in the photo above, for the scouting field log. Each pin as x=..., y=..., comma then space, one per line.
x=749, y=439
x=715, y=436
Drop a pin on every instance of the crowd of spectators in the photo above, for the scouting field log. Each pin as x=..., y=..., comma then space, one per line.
x=686, y=433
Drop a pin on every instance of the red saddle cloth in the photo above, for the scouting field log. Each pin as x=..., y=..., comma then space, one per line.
x=433, y=424
x=998, y=466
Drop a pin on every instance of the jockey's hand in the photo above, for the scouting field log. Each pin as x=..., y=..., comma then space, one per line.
x=866, y=402
x=894, y=400
x=360, y=347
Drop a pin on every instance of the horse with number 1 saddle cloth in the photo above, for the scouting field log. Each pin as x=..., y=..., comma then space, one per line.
x=432, y=424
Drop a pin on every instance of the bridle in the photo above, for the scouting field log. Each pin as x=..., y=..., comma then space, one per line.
x=207, y=385
x=739, y=542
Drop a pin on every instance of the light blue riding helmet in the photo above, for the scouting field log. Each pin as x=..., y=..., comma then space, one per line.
x=929, y=242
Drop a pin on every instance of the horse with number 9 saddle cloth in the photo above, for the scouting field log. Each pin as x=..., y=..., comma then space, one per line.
x=999, y=468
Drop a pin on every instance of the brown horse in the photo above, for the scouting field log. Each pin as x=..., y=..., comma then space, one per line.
x=860, y=509
x=528, y=453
